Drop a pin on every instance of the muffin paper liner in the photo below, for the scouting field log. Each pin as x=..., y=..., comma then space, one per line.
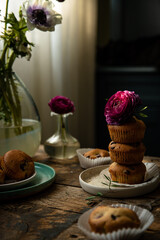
x=146, y=219
x=87, y=163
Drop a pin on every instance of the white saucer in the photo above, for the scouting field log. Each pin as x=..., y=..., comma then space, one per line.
x=87, y=177
x=16, y=184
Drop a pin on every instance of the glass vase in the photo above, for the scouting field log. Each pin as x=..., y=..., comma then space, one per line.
x=20, y=126
x=62, y=144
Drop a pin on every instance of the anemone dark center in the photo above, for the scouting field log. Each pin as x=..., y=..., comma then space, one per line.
x=39, y=16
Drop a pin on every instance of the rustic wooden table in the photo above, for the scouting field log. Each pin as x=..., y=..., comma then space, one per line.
x=53, y=213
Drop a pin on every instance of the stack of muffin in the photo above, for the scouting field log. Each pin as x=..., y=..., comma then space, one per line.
x=127, y=133
x=127, y=151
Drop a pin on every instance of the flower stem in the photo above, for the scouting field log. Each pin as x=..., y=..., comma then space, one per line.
x=6, y=14
x=63, y=133
x=17, y=106
x=11, y=60
x=3, y=55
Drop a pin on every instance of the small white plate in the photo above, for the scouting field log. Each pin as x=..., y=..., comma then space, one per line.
x=91, y=181
x=16, y=184
x=87, y=163
x=144, y=215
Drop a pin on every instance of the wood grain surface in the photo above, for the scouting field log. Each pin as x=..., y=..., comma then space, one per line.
x=54, y=212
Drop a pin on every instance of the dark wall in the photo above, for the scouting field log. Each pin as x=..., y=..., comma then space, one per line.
x=133, y=40
x=146, y=83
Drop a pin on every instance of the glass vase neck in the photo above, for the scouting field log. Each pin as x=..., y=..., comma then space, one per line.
x=62, y=120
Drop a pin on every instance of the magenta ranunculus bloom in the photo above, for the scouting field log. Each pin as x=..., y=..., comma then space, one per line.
x=121, y=107
x=61, y=105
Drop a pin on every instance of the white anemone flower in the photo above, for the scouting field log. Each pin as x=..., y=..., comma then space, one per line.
x=40, y=14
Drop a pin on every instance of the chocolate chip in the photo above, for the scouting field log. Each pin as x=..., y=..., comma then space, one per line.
x=73, y=236
x=127, y=172
x=26, y=175
x=113, y=217
x=99, y=215
x=130, y=167
x=22, y=166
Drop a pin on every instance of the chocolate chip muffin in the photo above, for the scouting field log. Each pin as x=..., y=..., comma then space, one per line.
x=129, y=174
x=130, y=132
x=96, y=153
x=17, y=165
x=106, y=219
x=126, y=153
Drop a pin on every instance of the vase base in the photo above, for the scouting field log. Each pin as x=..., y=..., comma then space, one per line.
x=61, y=152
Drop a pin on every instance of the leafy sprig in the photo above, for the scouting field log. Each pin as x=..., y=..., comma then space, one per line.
x=92, y=200
x=110, y=184
x=15, y=45
x=143, y=114
x=15, y=37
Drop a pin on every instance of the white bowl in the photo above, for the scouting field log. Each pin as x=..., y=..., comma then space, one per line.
x=91, y=181
x=87, y=163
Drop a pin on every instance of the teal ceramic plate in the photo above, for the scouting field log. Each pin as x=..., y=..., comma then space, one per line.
x=44, y=178
x=16, y=184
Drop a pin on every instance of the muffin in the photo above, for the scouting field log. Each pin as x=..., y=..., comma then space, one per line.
x=2, y=176
x=130, y=132
x=129, y=174
x=126, y=153
x=1, y=159
x=17, y=165
x=106, y=219
x=96, y=153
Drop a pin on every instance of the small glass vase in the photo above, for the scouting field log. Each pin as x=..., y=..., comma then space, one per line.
x=62, y=144
x=20, y=126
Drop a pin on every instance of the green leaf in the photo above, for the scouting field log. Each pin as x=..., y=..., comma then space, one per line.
x=108, y=178
x=99, y=194
x=144, y=108
x=105, y=183
x=90, y=198
x=143, y=115
x=15, y=35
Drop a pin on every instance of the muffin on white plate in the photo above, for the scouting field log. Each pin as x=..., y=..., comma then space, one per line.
x=145, y=217
x=91, y=157
x=106, y=219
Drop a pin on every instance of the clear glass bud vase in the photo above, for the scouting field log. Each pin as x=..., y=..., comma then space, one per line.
x=20, y=126
x=62, y=144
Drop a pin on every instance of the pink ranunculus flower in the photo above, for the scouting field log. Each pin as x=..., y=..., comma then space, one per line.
x=61, y=105
x=121, y=107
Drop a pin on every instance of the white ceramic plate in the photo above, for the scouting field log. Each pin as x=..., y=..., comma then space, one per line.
x=87, y=163
x=91, y=181
x=16, y=184
x=144, y=215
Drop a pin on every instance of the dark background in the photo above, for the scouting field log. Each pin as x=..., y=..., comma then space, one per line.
x=128, y=58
